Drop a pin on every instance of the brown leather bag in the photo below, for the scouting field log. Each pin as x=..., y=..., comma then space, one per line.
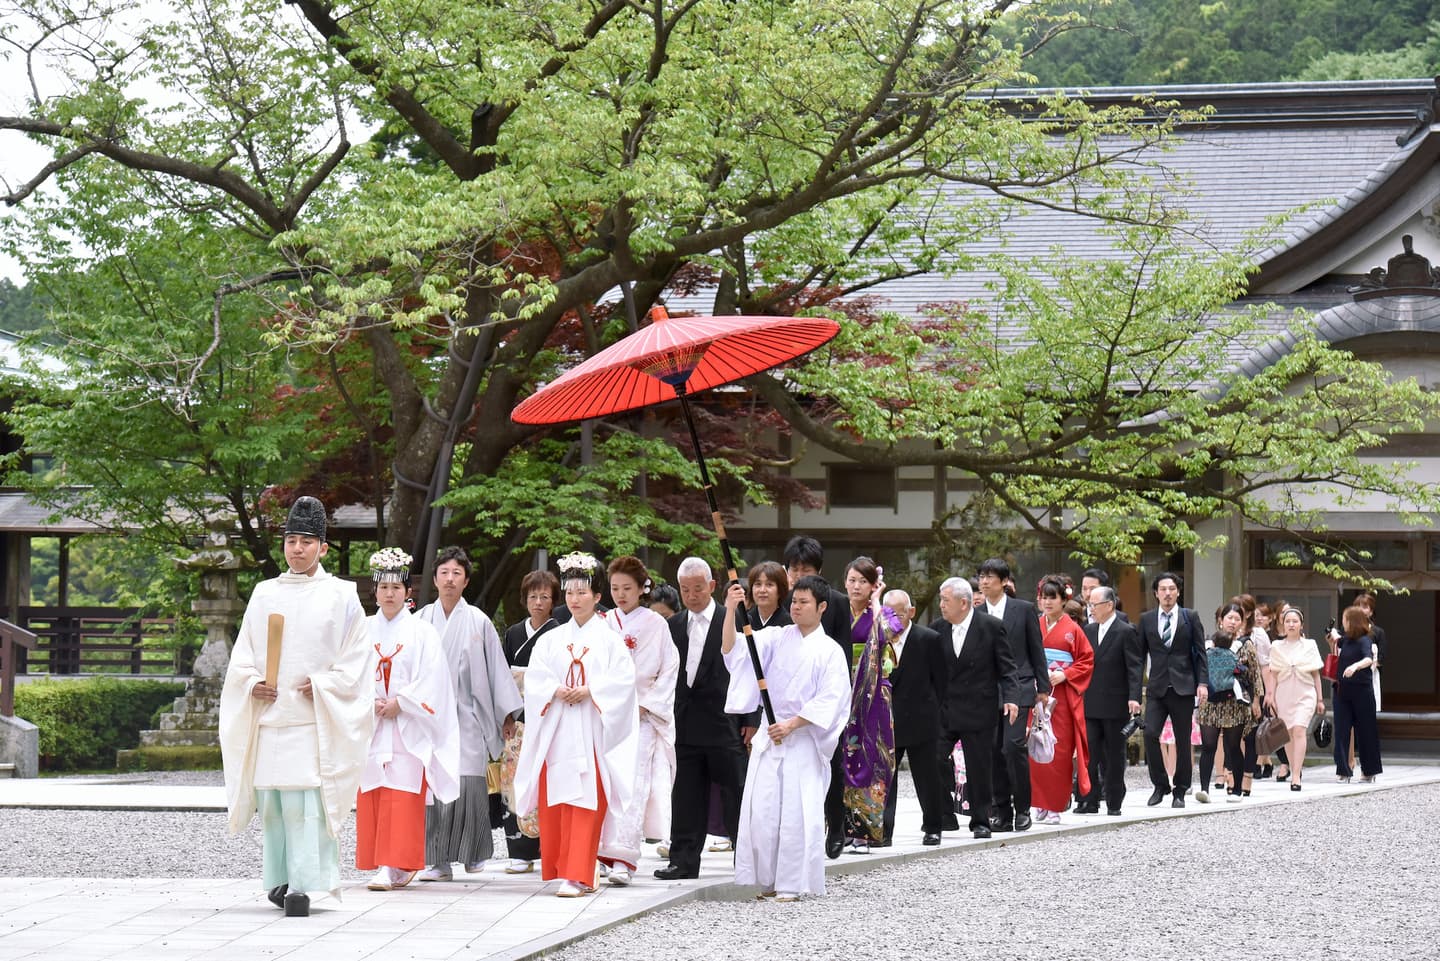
x=1271, y=735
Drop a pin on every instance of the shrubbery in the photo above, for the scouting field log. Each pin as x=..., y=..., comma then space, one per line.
x=84, y=722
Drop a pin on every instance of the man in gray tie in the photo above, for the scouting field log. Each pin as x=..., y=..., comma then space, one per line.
x=1174, y=640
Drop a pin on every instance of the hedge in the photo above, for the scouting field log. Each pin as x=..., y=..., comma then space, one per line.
x=84, y=722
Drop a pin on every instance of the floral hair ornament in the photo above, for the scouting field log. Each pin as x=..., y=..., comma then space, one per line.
x=578, y=565
x=390, y=564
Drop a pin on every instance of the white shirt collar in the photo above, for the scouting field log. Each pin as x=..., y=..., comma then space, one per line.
x=963, y=626
x=998, y=609
x=1105, y=624
x=708, y=614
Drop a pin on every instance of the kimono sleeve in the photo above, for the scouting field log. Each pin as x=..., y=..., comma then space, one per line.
x=743, y=695
x=490, y=672
x=827, y=707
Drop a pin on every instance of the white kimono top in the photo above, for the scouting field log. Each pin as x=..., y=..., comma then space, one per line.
x=568, y=739
x=324, y=739
x=424, y=740
x=806, y=676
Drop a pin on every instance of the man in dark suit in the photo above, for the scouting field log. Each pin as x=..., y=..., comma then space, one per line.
x=917, y=684
x=707, y=741
x=1173, y=638
x=978, y=663
x=803, y=556
x=1092, y=578
x=1010, y=810
x=1110, y=700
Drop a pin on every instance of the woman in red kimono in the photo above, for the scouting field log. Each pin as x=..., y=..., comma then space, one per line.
x=1071, y=660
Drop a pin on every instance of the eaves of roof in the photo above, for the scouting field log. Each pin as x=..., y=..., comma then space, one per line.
x=1317, y=236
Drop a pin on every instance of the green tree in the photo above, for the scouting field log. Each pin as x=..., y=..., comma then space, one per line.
x=530, y=159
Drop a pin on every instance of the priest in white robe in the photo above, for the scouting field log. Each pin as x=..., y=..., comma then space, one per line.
x=415, y=753
x=294, y=749
x=781, y=842
x=486, y=701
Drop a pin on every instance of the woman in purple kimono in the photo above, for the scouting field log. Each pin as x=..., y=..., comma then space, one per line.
x=869, y=736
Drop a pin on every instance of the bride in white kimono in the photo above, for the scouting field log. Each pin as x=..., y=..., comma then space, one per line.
x=578, y=756
x=657, y=664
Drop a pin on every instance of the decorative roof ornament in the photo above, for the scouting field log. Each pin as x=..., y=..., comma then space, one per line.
x=1406, y=273
x=1424, y=118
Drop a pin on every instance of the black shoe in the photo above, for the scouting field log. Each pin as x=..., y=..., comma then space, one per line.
x=982, y=832
x=277, y=895
x=930, y=840
x=1113, y=812
x=1022, y=822
x=1087, y=807
x=998, y=824
x=1156, y=796
x=833, y=847
x=297, y=905
x=1179, y=801
x=673, y=872
x=1266, y=770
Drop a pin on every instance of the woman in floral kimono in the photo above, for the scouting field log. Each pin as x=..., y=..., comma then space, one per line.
x=869, y=737
x=657, y=663
x=1071, y=660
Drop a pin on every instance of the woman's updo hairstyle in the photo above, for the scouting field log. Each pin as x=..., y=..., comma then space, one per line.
x=632, y=568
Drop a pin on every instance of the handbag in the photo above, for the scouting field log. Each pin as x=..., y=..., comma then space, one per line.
x=1042, y=736
x=1271, y=735
x=1331, y=669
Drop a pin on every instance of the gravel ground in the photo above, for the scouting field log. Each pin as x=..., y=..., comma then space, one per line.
x=1342, y=878
x=1346, y=877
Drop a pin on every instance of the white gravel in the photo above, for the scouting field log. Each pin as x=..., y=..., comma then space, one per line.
x=1347, y=877
x=1344, y=878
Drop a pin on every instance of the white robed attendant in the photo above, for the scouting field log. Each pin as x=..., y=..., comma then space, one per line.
x=421, y=745
x=781, y=842
x=646, y=635
x=578, y=757
x=295, y=750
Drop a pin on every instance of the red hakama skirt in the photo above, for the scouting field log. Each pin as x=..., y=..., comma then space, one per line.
x=570, y=836
x=390, y=829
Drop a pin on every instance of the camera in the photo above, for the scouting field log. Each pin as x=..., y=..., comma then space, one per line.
x=1136, y=724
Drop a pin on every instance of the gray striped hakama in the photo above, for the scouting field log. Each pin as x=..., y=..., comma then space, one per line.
x=460, y=831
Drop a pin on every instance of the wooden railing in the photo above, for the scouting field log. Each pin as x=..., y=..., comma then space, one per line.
x=13, y=641
x=96, y=640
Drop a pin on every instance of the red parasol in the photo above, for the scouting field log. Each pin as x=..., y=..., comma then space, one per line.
x=669, y=360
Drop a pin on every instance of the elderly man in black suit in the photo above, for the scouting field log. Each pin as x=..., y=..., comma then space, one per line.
x=1010, y=810
x=707, y=740
x=1174, y=640
x=1111, y=699
x=978, y=665
x=917, y=685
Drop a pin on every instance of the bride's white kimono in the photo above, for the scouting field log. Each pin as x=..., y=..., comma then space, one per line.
x=646, y=635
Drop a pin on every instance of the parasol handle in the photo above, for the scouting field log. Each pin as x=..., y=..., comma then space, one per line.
x=730, y=573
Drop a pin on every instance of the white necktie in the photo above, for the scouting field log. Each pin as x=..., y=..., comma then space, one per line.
x=699, y=627
x=958, y=633
x=1099, y=636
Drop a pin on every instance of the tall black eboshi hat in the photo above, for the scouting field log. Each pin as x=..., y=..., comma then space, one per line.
x=307, y=516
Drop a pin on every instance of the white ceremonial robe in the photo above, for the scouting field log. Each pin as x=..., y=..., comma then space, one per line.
x=569, y=739
x=646, y=635
x=485, y=691
x=423, y=742
x=781, y=842
x=298, y=742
